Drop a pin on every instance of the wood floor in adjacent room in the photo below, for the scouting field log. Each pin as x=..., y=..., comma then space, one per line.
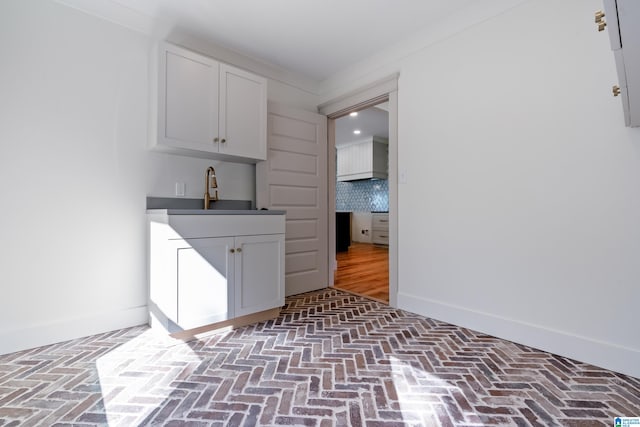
x=364, y=270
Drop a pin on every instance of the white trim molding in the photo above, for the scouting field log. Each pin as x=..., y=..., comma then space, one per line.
x=363, y=96
x=55, y=332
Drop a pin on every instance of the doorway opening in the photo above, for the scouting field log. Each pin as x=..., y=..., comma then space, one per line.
x=362, y=201
x=374, y=93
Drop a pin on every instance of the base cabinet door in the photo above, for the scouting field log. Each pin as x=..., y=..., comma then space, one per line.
x=209, y=269
x=259, y=273
x=205, y=272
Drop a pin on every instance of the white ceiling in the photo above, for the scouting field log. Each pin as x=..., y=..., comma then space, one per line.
x=373, y=121
x=315, y=38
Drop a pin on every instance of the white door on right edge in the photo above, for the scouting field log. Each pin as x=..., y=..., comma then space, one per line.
x=294, y=178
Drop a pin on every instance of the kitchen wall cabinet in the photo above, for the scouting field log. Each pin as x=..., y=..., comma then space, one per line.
x=622, y=17
x=380, y=226
x=364, y=159
x=206, y=269
x=205, y=108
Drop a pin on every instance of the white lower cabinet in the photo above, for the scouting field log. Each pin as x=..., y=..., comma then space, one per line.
x=259, y=266
x=197, y=279
x=380, y=225
x=205, y=277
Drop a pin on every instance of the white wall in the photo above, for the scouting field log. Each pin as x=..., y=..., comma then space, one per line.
x=523, y=185
x=236, y=181
x=75, y=172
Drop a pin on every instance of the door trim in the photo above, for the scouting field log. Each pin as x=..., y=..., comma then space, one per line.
x=361, y=98
x=372, y=94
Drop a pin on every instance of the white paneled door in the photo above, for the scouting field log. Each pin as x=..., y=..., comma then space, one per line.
x=294, y=178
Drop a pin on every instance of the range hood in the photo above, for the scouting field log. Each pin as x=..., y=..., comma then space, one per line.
x=363, y=159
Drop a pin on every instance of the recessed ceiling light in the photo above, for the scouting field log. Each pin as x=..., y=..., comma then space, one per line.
x=354, y=114
x=357, y=131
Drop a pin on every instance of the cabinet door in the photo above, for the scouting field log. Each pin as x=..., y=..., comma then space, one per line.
x=259, y=273
x=629, y=16
x=243, y=113
x=188, y=100
x=205, y=275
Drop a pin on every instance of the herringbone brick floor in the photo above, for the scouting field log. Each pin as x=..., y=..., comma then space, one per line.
x=331, y=358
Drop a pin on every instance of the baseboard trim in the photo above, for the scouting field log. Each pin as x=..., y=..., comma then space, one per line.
x=606, y=355
x=55, y=332
x=237, y=322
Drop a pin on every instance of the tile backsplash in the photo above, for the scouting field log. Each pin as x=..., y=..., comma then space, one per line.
x=362, y=196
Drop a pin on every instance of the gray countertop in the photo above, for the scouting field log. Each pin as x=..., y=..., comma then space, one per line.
x=213, y=212
x=186, y=206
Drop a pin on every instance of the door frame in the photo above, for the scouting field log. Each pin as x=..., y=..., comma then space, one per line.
x=379, y=91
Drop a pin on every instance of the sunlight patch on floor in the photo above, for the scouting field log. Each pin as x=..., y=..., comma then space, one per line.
x=411, y=384
x=144, y=370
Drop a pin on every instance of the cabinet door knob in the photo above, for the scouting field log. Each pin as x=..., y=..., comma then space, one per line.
x=232, y=250
x=616, y=90
x=216, y=139
x=239, y=250
x=601, y=25
x=223, y=140
x=599, y=16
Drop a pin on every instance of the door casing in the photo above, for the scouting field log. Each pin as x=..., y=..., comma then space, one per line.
x=382, y=90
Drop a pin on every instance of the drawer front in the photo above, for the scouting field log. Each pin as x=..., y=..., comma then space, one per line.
x=380, y=221
x=380, y=237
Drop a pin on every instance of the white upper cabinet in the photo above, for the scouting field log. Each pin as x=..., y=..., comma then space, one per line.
x=188, y=100
x=243, y=113
x=208, y=109
x=621, y=17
